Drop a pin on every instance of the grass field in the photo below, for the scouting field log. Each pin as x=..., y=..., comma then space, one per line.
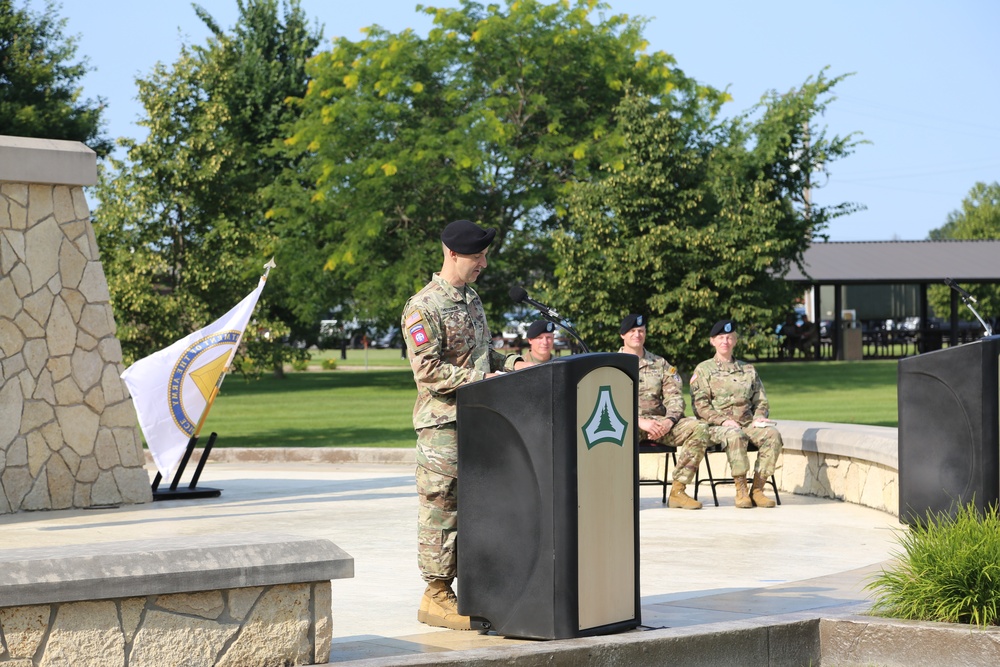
x=845, y=392
x=372, y=408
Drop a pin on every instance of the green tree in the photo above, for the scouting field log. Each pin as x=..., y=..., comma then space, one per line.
x=488, y=118
x=697, y=219
x=979, y=218
x=182, y=220
x=40, y=95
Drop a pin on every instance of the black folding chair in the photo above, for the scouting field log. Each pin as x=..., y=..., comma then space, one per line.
x=669, y=452
x=711, y=481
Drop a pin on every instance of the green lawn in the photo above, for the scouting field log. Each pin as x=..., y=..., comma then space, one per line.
x=316, y=409
x=358, y=358
x=846, y=392
x=372, y=408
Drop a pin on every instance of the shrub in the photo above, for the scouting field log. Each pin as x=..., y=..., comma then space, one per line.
x=300, y=364
x=329, y=364
x=949, y=570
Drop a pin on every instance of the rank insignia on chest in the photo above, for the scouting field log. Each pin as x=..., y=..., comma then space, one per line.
x=418, y=334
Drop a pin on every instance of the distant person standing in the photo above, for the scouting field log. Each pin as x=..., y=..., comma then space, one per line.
x=661, y=411
x=728, y=394
x=448, y=344
x=541, y=339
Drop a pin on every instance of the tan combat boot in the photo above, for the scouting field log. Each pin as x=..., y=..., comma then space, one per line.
x=742, y=496
x=680, y=499
x=439, y=607
x=757, y=493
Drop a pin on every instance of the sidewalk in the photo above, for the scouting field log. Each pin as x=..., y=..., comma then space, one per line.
x=696, y=567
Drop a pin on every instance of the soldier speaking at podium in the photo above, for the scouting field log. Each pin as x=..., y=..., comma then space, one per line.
x=448, y=345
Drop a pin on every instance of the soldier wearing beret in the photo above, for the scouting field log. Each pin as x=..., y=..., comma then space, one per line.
x=728, y=394
x=661, y=411
x=448, y=345
x=541, y=339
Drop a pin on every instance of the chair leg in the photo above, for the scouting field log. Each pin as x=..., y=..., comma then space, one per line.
x=666, y=475
x=774, y=487
x=711, y=481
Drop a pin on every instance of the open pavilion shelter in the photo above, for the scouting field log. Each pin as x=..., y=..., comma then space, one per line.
x=919, y=263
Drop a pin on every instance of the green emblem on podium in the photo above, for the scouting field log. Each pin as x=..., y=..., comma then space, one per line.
x=604, y=423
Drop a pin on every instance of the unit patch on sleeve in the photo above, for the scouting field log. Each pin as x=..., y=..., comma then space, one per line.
x=415, y=327
x=418, y=334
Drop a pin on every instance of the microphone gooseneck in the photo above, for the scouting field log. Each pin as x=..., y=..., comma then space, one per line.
x=969, y=300
x=519, y=295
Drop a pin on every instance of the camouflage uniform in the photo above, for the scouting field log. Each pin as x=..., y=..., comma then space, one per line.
x=448, y=345
x=661, y=399
x=528, y=356
x=733, y=390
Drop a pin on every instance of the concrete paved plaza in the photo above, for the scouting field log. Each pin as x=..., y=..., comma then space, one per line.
x=696, y=567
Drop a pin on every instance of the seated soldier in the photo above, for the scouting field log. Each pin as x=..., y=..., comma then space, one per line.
x=728, y=394
x=541, y=339
x=661, y=411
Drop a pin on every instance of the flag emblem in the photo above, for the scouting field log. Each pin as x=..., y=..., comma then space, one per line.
x=194, y=378
x=172, y=389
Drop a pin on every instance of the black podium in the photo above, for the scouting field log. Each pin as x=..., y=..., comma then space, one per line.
x=548, y=498
x=949, y=452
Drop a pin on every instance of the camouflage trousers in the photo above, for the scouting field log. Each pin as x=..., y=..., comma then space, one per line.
x=690, y=437
x=767, y=439
x=437, y=492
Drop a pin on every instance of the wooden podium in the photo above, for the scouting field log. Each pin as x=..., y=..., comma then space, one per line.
x=548, y=498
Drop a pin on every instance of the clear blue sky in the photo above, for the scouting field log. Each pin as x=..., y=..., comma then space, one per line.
x=926, y=89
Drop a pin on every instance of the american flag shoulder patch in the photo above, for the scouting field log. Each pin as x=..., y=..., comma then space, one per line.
x=412, y=319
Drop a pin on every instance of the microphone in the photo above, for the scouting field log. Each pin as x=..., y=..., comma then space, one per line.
x=965, y=295
x=519, y=295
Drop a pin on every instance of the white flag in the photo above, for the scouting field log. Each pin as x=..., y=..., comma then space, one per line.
x=171, y=388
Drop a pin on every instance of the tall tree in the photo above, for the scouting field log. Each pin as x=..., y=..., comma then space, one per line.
x=978, y=218
x=40, y=95
x=488, y=118
x=697, y=219
x=183, y=219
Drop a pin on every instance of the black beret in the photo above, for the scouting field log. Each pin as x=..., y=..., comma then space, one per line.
x=631, y=322
x=538, y=327
x=467, y=237
x=723, y=326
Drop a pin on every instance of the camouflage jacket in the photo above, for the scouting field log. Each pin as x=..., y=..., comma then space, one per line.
x=721, y=391
x=528, y=356
x=660, y=393
x=448, y=345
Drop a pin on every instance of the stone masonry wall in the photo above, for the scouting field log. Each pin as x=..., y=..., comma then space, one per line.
x=287, y=624
x=68, y=435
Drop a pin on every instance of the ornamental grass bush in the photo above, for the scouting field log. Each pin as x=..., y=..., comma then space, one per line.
x=948, y=570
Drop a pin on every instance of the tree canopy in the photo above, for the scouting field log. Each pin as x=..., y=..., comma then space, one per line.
x=40, y=95
x=489, y=118
x=978, y=218
x=697, y=220
x=182, y=219
x=613, y=182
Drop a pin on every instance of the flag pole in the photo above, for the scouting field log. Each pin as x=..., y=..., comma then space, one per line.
x=232, y=353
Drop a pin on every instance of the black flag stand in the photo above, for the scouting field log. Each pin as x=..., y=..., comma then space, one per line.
x=192, y=490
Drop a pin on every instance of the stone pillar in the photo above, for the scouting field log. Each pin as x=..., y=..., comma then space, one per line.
x=68, y=435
